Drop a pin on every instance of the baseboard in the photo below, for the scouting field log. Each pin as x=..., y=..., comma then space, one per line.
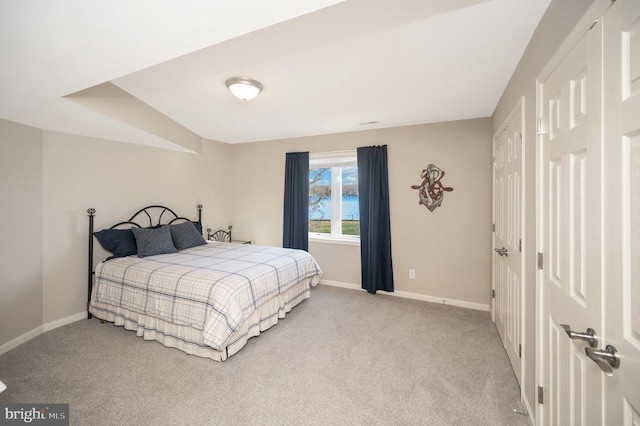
x=20, y=340
x=415, y=296
x=527, y=406
x=64, y=321
x=340, y=284
x=39, y=330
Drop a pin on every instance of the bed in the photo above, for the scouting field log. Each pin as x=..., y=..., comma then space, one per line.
x=205, y=298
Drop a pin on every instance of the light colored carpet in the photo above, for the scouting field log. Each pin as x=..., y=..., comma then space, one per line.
x=341, y=357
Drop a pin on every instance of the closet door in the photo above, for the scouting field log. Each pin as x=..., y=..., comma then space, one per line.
x=507, y=263
x=569, y=103
x=622, y=210
x=591, y=226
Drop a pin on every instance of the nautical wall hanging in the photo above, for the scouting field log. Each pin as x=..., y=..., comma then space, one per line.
x=431, y=191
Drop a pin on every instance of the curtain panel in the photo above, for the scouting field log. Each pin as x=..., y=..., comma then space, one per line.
x=375, y=223
x=296, y=201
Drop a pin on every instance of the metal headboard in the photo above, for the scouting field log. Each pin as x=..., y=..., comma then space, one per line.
x=133, y=221
x=220, y=235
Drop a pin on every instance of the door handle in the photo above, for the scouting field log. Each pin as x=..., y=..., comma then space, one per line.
x=502, y=251
x=607, y=359
x=588, y=336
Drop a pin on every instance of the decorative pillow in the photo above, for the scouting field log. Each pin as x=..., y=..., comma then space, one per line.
x=198, y=226
x=152, y=241
x=185, y=235
x=120, y=242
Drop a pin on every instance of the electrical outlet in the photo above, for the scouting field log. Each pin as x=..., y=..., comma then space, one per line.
x=412, y=274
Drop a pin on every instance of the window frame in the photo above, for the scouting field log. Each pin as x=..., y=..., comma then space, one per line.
x=336, y=161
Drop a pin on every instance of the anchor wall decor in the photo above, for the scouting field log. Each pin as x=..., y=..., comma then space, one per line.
x=431, y=191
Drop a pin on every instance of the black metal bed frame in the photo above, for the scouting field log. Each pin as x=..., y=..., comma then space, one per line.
x=91, y=212
x=220, y=235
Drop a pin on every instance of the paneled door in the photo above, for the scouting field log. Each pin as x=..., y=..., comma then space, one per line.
x=569, y=104
x=622, y=209
x=507, y=274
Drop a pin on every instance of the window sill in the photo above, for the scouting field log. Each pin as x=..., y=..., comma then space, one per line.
x=333, y=240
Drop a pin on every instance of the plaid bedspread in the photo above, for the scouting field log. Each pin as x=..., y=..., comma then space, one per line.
x=213, y=287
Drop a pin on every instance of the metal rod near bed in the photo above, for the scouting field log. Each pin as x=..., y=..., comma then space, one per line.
x=91, y=212
x=206, y=298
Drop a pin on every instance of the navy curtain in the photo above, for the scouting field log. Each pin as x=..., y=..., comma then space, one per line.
x=296, y=201
x=375, y=223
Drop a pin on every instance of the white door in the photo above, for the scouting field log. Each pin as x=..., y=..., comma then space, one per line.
x=499, y=235
x=569, y=100
x=622, y=209
x=508, y=237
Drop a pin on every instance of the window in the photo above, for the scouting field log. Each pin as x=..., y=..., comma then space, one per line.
x=333, y=196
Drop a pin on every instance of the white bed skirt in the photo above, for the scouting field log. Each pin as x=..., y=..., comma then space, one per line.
x=190, y=340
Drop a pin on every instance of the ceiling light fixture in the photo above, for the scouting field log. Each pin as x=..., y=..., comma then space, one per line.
x=244, y=88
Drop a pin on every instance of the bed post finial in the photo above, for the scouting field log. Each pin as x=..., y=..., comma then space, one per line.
x=200, y=214
x=91, y=212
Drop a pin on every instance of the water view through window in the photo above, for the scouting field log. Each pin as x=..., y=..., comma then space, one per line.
x=350, y=209
x=329, y=214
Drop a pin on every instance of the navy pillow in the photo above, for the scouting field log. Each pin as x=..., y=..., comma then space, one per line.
x=120, y=242
x=198, y=226
x=152, y=241
x=185, y=235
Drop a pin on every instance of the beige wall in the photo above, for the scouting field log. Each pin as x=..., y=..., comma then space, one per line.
x=556, y=24
x=449, y=248
x=116, y=179
x=21, y=230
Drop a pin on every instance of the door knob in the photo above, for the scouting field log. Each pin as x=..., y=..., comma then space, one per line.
x=607, y=359
x=588, y=336
x=502, y=251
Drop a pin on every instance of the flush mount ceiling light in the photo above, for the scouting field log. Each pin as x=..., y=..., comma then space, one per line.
x=244, y=88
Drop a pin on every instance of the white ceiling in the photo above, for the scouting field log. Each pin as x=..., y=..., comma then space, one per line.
x=326, y=65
